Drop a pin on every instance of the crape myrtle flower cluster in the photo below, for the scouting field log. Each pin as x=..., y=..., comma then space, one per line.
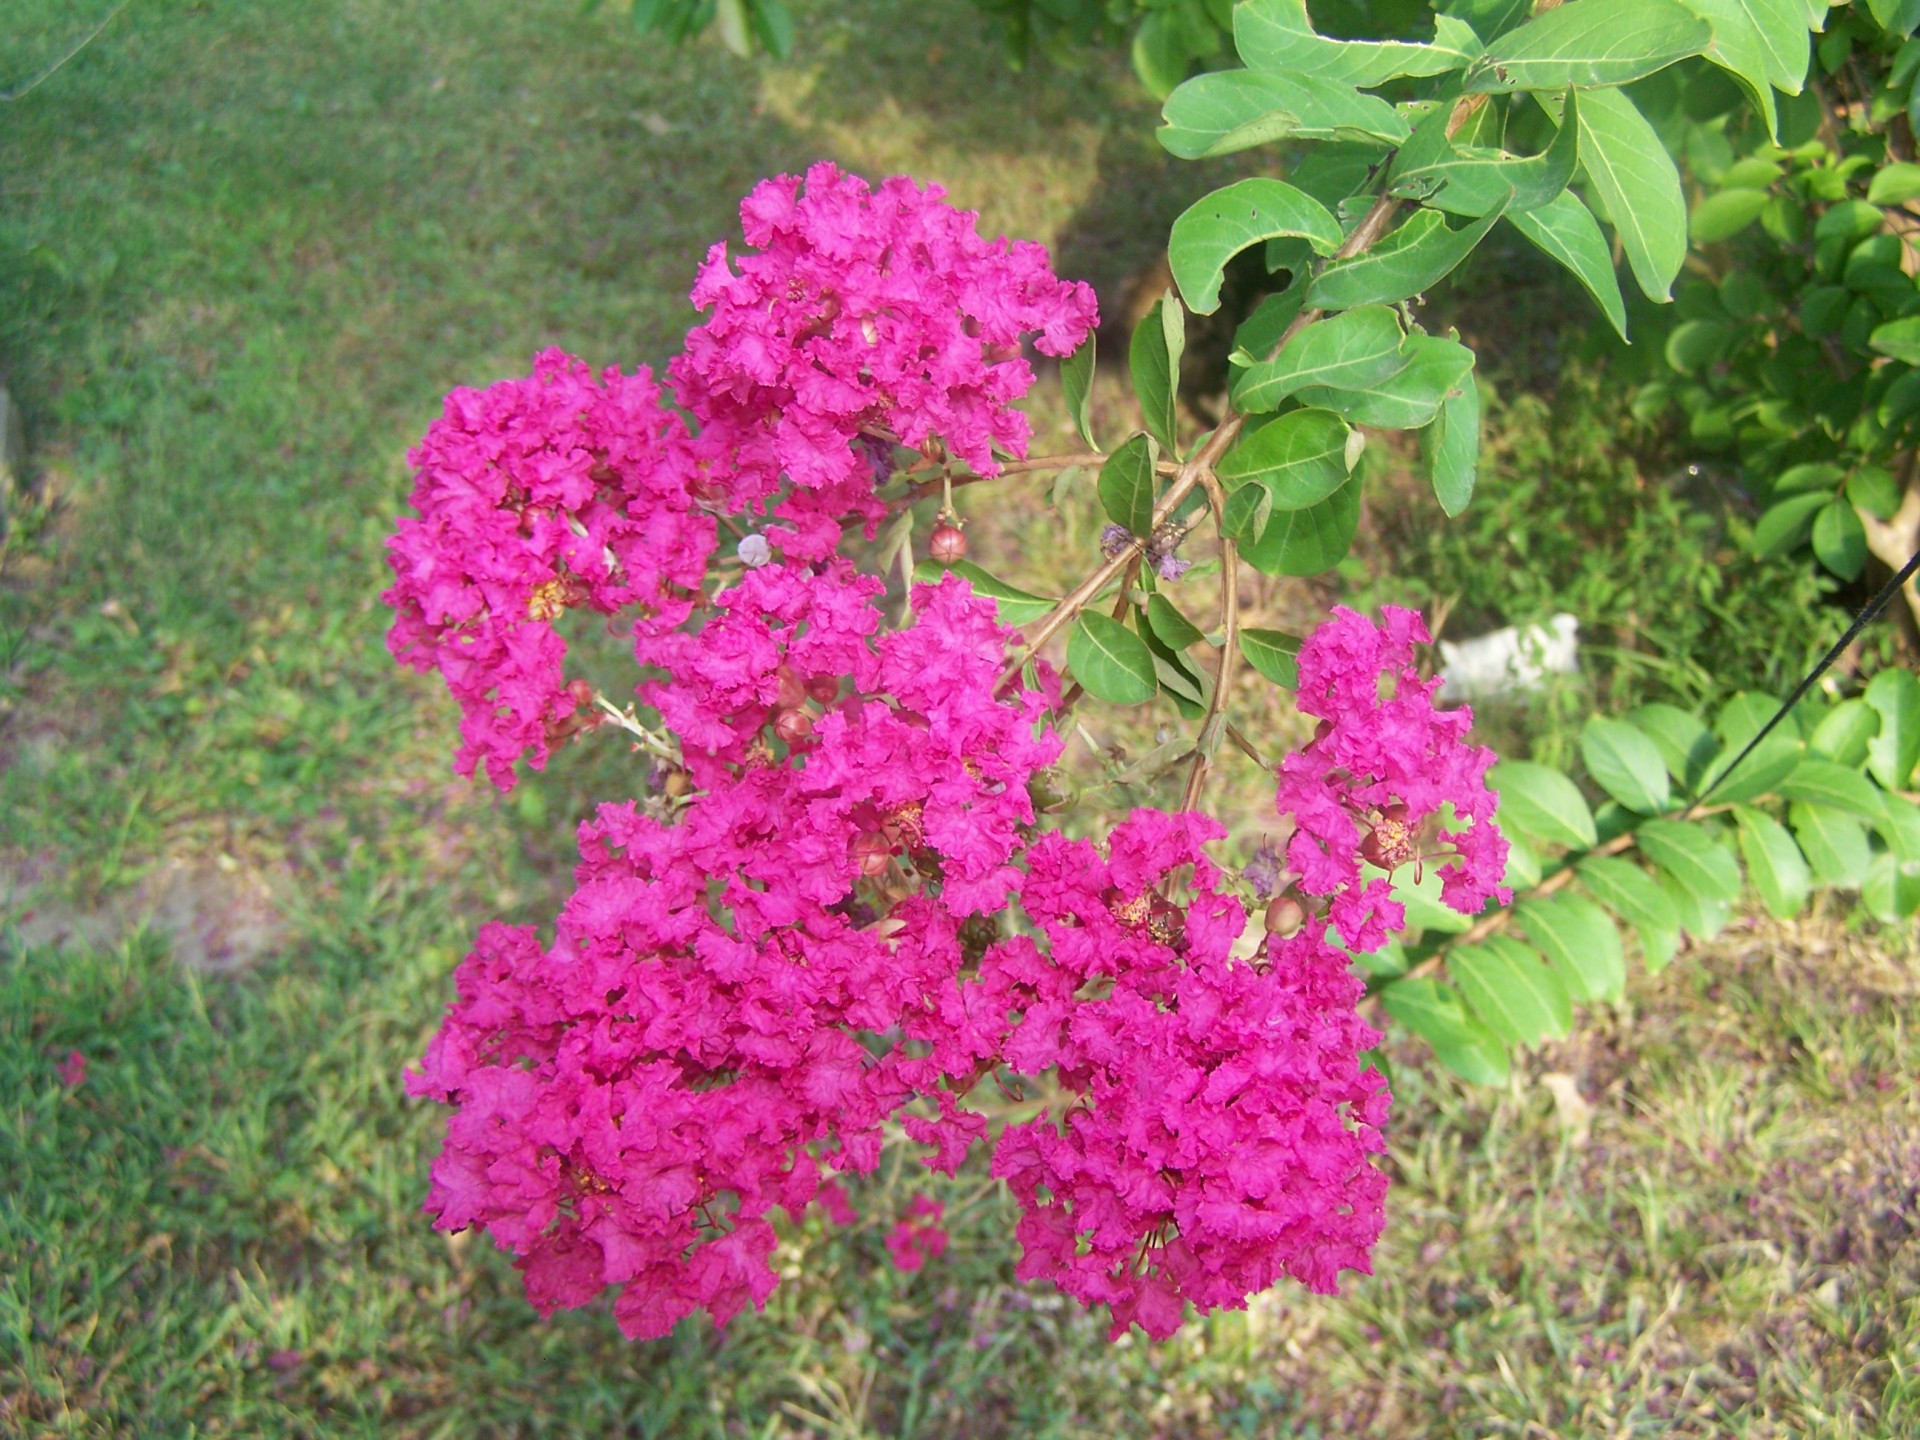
x=853, y=915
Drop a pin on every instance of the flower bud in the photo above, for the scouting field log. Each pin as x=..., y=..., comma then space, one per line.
x=1049, y=789
x=792, y=690
x=792, y=724
x=823, y=689
x=870, y=853
x=1285, y=916
x=947, y=544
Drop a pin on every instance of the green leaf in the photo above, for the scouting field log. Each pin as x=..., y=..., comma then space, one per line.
x=1874, y=490
x=1896, y=17
x=773, y=25
x=1310, y=541
x=1702, y=866
x=1700, y=915
x=1538, y=800
x=1846, y=733
x=1658, y=947
x=1566, y=230
x=1891, y=891
x=1232, y=110
x=1900, y=826
x=1637, y=182
x=1154, y=358
x=1725, y=214
x=1275, y=654
x=1511, y=989
x=1897, y=339
x=1836, y=786
x=1840, y=540
x=1523, y=866
x=730, y=20
x=1849, y=220
x=1421, y=899
x=1409, y=399
x=1173, y=628
x=1782, y=527
x=1761, y=43
x=1128, y=483
x=1450, y=448
x=1894, y=184
x=1469, y=180
x=1276, y=35
x=1161, y=54
x=1778, y=869
x=1435, y=1013
x=1892, y=753
x=1629, y=892
x=1684, y=742
x=1590, y=43
x=1076, y=379
x=1219, y=226
x=1771, y=761
x=1693, y=345
x=1180, y=680
x=1626, y=764
x=1799, y=479
x=1835, y=845
x=1110, y=661
x=1580, y=942
x=1261, y=330
x=1297, y=460
x=1343, y=352
x=1416, y=255
x=1017, y=607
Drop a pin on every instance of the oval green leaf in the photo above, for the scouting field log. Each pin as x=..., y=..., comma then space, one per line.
x=1580, y=941
x=1127, y=485
x=1110, y=661
x=1511, y=988
x=1538, y=800
x=1626, y=764
x=1219, y=226
x=1350, y=351
x=1434, y=1012
x=1701, y=865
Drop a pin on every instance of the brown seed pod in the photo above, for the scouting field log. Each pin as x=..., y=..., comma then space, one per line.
x=948, y=543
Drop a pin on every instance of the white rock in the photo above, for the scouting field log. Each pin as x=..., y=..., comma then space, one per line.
x=1512, y=661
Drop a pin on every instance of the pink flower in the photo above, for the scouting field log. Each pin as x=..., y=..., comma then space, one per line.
x=918, y=1237
x=861, y=313
x=537, y=496
x=1223, y=1128
x=1383, y=762
x=72, y=1070
x=844, y=915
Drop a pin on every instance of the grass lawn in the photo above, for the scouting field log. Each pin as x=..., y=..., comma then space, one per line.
x=245, y=246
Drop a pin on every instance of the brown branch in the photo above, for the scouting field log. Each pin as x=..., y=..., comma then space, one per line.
x=1215, y=719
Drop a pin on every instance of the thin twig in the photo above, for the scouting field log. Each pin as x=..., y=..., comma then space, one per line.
x=650, y=742
x=9, y=96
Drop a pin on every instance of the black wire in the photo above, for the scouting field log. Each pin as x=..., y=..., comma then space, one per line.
x=1860, y=622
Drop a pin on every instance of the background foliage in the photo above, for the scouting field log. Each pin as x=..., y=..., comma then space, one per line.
x=219, y=1227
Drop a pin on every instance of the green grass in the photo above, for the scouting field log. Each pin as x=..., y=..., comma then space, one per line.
x=244, y=249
